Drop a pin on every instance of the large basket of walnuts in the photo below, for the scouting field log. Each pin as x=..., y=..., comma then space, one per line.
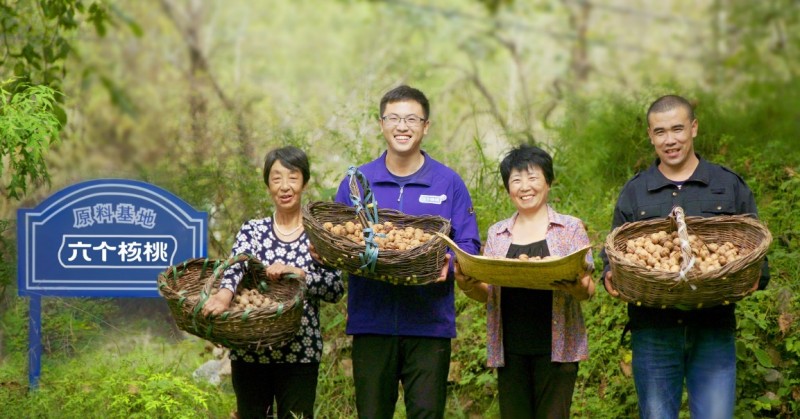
x=380, y=244
x=263, y=314
x=687, y=262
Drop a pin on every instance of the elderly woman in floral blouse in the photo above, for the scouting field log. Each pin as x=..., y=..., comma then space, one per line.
x=286, y=375
x=538, y=337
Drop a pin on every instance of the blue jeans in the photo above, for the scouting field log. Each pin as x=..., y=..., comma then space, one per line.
x=704, y=357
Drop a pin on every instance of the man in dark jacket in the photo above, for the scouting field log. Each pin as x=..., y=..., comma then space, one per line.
x=673, y=346
x=402, y=333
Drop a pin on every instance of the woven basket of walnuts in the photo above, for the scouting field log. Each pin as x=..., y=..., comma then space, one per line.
x=264, y=313
x=687, y=262
x=380, y=244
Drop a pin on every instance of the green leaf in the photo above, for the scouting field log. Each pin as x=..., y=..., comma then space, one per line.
x=763, y=358
x=60, y=114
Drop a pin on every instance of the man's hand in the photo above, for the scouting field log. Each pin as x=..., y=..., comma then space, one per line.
x=218, y=303
x=754, y=288
x=445, y=269
x=610, y=288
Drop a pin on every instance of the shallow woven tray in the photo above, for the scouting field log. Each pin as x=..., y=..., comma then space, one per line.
x=187, y=286
x=418, y=266
x=660, y=289
x=521, y=273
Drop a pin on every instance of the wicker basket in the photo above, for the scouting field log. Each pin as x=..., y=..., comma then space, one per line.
x=418, y=266
x=187, y=287
x=517, y=273
x=660, y=289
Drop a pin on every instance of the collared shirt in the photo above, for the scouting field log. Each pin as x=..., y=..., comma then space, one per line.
x=565, y=235
x=377, y=307
x=712, y=190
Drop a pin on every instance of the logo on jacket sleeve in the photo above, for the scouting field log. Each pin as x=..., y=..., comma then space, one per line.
x=432, y=199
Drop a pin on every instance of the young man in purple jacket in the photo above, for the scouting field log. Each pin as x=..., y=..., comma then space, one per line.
x=402, y=333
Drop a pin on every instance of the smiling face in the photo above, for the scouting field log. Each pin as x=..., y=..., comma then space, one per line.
x=401, y=139
x=528, y=189
x=285, y=187
x=672, y=134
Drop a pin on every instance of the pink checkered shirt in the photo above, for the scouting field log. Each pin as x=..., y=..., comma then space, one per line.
x=565, y=234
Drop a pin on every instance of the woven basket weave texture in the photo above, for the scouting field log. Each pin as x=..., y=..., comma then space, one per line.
x=533, y=274
x=418, y=266
x=660, y=289
x=187, y=287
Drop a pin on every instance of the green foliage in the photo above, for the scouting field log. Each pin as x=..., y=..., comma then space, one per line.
x=68, y=324
x=28, y=127
x=142, y=381
x=157, y=395
x=8, y=257
x=39, y=36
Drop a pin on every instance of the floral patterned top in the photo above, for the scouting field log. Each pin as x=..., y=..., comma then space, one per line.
x=257, y=238
x=565, y=234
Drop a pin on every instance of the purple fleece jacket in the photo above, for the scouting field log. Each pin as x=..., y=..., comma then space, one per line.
x=376, y=307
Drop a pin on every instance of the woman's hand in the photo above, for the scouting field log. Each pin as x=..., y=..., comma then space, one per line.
x=472, y=287
x=276, y=270
x=314, y=255
x=464, y=282
x=581, y=288
x=218, y=303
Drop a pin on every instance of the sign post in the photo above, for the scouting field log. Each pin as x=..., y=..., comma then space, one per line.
x=101, y=238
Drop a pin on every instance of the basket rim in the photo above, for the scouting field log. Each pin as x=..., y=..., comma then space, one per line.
x=755, y=254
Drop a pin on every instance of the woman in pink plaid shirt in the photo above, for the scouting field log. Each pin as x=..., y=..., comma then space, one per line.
x=538, y=337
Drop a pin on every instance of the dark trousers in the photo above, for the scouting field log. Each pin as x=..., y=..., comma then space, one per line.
x=419, y=363
x=535, y=387
x=292, y=386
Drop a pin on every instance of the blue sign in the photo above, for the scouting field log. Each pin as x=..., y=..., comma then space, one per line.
x=101, y=238
x=105, y=238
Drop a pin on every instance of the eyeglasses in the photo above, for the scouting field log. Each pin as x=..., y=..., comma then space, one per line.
x=393, y=120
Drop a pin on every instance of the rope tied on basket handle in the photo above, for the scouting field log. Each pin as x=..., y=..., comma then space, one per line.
x=367, y=211
x=688, y=259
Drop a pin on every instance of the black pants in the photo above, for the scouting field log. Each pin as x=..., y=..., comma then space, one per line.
x=535, y=387
x=292, y=386
x=419, y=363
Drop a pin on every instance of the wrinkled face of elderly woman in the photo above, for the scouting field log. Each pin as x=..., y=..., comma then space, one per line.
x=285, y=187
x=528, y=188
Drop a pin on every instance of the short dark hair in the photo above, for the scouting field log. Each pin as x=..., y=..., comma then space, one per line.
x=406, y=93
x=290, y=157
x=526, y=156
x=668, y=103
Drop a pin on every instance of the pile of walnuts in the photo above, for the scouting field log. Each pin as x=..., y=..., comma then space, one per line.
x=535, y=258
x=387, y=235
x=661, y=251
x=248, y=299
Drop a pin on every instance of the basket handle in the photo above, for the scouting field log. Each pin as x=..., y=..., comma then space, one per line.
x=687, y=257
x=366, y=206
x=367, y=214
